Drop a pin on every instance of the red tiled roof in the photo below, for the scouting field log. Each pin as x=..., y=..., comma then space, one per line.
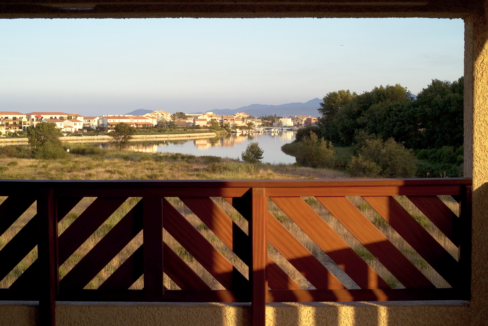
x=90, y=118
x=73, y=120
x=46, y=113
x=10, y=113
x=118, y=117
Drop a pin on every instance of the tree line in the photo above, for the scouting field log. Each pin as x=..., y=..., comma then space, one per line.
x=431, y=120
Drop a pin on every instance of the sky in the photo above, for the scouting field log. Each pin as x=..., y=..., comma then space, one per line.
x=95, y=67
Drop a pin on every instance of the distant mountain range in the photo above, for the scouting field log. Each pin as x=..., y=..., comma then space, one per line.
x=283, y=110
x=258, y=110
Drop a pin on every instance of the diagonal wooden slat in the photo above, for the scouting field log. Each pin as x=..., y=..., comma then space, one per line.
x=115, y=240
x=299, y=256
x=128, y=273
x=180, y=272
x=370, y=237
x=209, y=257
x=86, y=224
x=24, y=241
x=420, y=240
x=329, y=241
x=12, y=208
x=439, y=214
x=133, y=268
x=235, y=239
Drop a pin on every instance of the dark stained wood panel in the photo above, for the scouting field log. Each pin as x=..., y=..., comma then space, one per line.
x=416, y=236
x=86, y=224
x=235, y=239
x=12, y=208
x=331, y=243
x=209, y=257
x=105, y=250
x=259, y=247
x=375, y=242
x=127, y=274
x=153, y=249
x=299, y=256
x=439, y=214
x=364, y=191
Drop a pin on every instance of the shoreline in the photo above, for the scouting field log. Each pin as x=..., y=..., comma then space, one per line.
x=106, y=139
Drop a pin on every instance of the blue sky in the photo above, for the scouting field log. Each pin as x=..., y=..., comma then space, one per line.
x=95, y=67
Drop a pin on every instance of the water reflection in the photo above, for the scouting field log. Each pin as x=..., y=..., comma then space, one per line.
x=230, y=146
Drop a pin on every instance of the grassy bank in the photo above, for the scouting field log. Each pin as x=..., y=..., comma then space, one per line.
x=87, y=162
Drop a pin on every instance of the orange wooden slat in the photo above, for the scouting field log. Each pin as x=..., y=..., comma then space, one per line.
x=300, y=257
x=331, y=243
x=209, y=257
x=235, y=239
x=387, y=254
x=439, y=214
x=420, y=240
x=364, y=191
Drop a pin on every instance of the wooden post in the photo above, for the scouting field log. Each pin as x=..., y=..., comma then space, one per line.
x=465, y=217
x=259, y=243
x=153, y=248
x=47, y=256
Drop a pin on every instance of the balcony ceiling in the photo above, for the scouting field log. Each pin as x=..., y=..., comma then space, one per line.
x=236, y=8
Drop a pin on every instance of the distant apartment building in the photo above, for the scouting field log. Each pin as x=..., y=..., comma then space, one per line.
x=202, y=122
x=58, y=122
x=242, y=115
x=11, y=121
x=299, y=120
x=91, y=122
x=310, y=121
x=73, y=125
x=33, y=118
x=183, y=122
x=285, y=122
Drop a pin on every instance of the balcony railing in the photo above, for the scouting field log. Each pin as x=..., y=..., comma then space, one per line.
x=444, y=203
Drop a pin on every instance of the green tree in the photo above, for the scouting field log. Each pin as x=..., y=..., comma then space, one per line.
x=43, y=133
x=250, y=125
x=440, y=109
x=122, y=134
x=178, y=115
x=214, y=124
x=316, y=152
x=253, y=153
x=44, y=141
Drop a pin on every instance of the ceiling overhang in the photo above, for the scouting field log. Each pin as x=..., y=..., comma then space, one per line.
x=236, y=8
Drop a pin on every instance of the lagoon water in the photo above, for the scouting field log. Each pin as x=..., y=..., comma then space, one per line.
x=230, y=146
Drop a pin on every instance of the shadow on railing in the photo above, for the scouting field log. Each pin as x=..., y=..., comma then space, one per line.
x=268, y=280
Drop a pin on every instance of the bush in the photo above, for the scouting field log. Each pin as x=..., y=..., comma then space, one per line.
x=362, y=167
x=231, y=167
x=50, y=152
x=305, y=132
x=253, y=153
x=394, y=160
x=82, y=149
x=316, y=152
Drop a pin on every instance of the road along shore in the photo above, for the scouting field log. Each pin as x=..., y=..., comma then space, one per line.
x=106, y=139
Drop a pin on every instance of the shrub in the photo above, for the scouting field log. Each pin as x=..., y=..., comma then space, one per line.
x=393, y=159
x=231, y=167
x=253, y=153
x=85, y=149
x=363, y=167
x=50, y=152
x=305, y=132
x=316, y=152
x=12, y=163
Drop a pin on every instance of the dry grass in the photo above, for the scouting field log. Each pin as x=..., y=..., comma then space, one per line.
x=127, y=165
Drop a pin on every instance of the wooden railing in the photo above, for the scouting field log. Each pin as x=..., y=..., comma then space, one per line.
x=267, y=281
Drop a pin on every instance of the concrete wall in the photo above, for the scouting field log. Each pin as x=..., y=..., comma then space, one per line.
x=476, y=154
x=213, y=314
